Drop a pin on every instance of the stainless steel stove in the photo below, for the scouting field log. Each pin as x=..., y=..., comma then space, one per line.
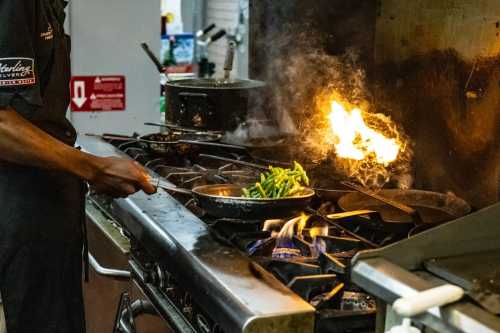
x=203, y=274
x=193, y=281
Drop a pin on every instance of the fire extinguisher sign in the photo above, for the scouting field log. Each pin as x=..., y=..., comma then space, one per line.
x=98, y=93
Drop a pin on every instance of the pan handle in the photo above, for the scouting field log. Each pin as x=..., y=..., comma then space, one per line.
x=113, y=137
x=238, y=162
x=182, y=129
x=229, y=61
x=158, y=183
x=393, y=203
x=153, y=58
x=212, y=144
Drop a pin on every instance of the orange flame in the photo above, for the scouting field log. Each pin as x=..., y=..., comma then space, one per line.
x=354, y=139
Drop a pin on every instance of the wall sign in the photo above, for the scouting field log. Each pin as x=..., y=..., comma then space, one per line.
x=98, y=93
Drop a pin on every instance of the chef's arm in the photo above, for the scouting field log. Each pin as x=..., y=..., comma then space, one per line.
x=23, y=143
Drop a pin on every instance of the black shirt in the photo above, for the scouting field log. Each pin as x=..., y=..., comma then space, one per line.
x=34, y=66
x=41, y=211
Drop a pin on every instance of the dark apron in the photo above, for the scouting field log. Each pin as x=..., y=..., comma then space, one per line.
x=41, y=215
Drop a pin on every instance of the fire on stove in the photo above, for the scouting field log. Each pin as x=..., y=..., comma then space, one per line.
x=360, y=144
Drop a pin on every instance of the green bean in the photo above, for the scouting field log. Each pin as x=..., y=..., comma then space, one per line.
x=261, y=190
x=278, y=183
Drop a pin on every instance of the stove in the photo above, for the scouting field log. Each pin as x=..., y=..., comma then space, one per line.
x=204, y=274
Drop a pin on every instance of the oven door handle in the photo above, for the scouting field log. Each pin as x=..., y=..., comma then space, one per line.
x=107, y=271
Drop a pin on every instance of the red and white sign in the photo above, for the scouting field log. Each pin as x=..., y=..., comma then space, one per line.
x=98, y=93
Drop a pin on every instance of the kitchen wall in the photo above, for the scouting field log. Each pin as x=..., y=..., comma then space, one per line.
x=438, y=72
x=192, y=14
x=106, y=39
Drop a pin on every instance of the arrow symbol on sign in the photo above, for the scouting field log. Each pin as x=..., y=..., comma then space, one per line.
x=79, y=91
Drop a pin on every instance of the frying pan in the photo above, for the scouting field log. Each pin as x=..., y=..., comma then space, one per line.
x=227, y=201
x=331, y=193
x=173, y=127
x=165, y=143
x=433, y=208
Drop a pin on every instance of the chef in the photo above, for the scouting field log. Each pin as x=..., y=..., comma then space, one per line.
x=42, y=175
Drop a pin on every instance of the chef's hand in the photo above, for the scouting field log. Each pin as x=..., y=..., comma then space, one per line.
x=120, y=178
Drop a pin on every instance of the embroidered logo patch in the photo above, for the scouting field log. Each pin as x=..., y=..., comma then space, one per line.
x=17, y=71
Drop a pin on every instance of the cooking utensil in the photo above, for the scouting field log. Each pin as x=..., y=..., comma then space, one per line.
x=413, y=213
x=477, y=273
x=154, y=59
x=209, y=104
x=227, y=201
x=165, y=143
x=333, y=193
x=212, y=104
x=201, y=33
x=183, y=129
x=432, y=207
x=228, y=63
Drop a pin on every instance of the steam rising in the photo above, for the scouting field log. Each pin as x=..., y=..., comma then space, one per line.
x=303, y=79
x=305, y=87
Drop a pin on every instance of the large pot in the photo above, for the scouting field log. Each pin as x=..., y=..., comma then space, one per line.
x=212, y=104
